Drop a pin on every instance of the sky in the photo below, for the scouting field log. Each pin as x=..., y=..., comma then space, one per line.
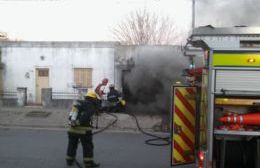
x=93, y=20
x=80, y=20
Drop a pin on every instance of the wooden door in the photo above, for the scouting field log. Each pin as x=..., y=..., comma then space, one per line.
x=42, y=81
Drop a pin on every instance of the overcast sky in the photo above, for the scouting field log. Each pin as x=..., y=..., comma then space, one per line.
x=92, y=20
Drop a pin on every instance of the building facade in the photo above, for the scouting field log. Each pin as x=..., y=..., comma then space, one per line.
x=69, y=67
x=62, y=66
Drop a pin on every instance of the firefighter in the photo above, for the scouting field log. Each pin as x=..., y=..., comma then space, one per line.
x=80, y=129
x=116, y=103
x=100, y=88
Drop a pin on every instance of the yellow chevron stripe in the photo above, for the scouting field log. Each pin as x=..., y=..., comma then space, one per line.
x=176, y=119
x=177, y=155
x=182, y=107
x=184, y=146
x=181, y=142
x=184, y=111
x=185, y=129
x=191, y=101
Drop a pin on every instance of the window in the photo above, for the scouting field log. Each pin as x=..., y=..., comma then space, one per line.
x=83, y=77
x=43, y=72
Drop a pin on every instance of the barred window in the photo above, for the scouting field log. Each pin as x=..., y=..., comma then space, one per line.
x=83, y=77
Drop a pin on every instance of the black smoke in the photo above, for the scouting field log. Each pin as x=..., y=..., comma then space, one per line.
x=147, y=86
x=226, y=13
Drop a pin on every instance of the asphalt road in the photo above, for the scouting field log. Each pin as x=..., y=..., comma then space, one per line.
x=31, y=148
x=23, y=148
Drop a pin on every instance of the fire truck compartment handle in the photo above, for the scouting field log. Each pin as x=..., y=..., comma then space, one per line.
x=238, y=92
x=177, y=129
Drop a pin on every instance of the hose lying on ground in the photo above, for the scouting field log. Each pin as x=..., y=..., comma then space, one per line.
x=164, y=140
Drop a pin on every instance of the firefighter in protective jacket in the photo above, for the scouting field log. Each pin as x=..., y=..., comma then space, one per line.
x=80, y=129
x=116, y=103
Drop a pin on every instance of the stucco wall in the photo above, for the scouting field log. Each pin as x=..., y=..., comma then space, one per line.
x=22, y=59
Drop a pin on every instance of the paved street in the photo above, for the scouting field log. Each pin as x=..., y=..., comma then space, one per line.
x=40, y=142
x=31, y=148
x=40, y=148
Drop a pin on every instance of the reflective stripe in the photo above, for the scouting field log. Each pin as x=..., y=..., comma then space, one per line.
x=236, y=59
x=88, y=159
x=235, y=119
x=79, y=130
x=69, y=158
x=228, y=119
x=74, y=109
x=241, y=119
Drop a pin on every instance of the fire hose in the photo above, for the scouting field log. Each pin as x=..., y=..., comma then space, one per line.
x=106, y=127
x=154, y=141
x=99, y=131
x=163, y=141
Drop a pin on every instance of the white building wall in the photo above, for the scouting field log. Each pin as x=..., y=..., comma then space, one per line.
x=21, y=62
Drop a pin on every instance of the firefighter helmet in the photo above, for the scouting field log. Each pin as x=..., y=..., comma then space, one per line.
x=91, y=94
x=123, y=102
x=105, y=81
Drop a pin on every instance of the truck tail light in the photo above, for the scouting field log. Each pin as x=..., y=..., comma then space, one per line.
x=201, y=156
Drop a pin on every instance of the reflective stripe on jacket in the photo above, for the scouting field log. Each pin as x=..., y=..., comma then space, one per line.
x=79, y=130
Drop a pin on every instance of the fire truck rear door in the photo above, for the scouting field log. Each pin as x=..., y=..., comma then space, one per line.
x=183, y=125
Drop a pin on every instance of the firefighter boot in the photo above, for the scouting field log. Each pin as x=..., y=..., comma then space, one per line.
x=91, y=164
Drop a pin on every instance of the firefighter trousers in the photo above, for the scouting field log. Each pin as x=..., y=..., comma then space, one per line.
x=86, y=142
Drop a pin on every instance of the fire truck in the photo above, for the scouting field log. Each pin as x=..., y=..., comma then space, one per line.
x=216, y=114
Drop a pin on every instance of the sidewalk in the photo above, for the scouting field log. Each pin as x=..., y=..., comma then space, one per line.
x=38, y=117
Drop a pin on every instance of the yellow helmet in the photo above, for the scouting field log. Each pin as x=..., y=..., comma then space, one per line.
x=91, y=94
x=123, y=102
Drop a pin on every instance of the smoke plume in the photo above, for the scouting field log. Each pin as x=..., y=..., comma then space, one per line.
x=223, y=13
x=148, y=84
